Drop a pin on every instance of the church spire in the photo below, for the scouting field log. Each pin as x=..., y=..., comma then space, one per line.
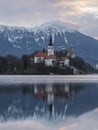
x=50, y=41
x=50, y=47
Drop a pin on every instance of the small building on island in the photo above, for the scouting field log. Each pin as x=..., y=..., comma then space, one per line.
x=40, y=57
x=64, y=61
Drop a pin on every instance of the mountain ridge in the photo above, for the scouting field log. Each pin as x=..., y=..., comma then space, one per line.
x=20, y=40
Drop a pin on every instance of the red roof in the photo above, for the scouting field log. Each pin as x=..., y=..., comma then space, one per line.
x=51, y=57
x=41, y=54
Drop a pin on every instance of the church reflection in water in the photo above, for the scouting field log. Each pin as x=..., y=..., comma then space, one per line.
x=52, y=99
x=51, y=91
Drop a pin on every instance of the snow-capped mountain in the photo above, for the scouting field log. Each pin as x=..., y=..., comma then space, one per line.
x=53, y=27
x=18, y=41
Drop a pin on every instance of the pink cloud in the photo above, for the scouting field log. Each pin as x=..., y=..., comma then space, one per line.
x=68, y=21
x=96, y=37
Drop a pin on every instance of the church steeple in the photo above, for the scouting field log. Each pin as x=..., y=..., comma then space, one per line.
x=50, y=47
x=50, y=41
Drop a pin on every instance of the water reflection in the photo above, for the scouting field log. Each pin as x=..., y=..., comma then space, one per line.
x=49, y=100
x=61, y=92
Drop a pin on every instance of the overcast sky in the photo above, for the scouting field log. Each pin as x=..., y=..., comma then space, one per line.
x=83, y=14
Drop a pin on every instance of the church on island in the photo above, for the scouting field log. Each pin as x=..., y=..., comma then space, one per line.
x=52, y=61
x=49, y=57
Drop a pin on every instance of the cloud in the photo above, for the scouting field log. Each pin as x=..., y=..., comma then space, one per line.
x=68, y=21
x=34, y=12
x=77, y=6
x=96, y=37
x=27, y=12
x=88, y=24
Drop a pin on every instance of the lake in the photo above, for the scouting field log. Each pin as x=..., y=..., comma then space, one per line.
x=49, y=102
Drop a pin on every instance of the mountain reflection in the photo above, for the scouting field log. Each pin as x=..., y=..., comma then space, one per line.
x=51, y=100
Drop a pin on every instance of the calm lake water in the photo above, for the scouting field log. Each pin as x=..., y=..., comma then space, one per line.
x=55, y=106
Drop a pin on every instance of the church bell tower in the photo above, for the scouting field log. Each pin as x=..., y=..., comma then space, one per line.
x=50, y=47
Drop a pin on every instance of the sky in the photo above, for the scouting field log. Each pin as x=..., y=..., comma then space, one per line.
x=83, y=14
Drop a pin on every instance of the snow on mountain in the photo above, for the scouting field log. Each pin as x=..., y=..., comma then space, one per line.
x=19, y=40
x=53, y=27
x=12, y=28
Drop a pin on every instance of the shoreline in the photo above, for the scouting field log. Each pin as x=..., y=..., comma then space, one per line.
x=31, y=79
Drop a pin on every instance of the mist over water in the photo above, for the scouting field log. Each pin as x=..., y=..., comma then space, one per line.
x=55, y=106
